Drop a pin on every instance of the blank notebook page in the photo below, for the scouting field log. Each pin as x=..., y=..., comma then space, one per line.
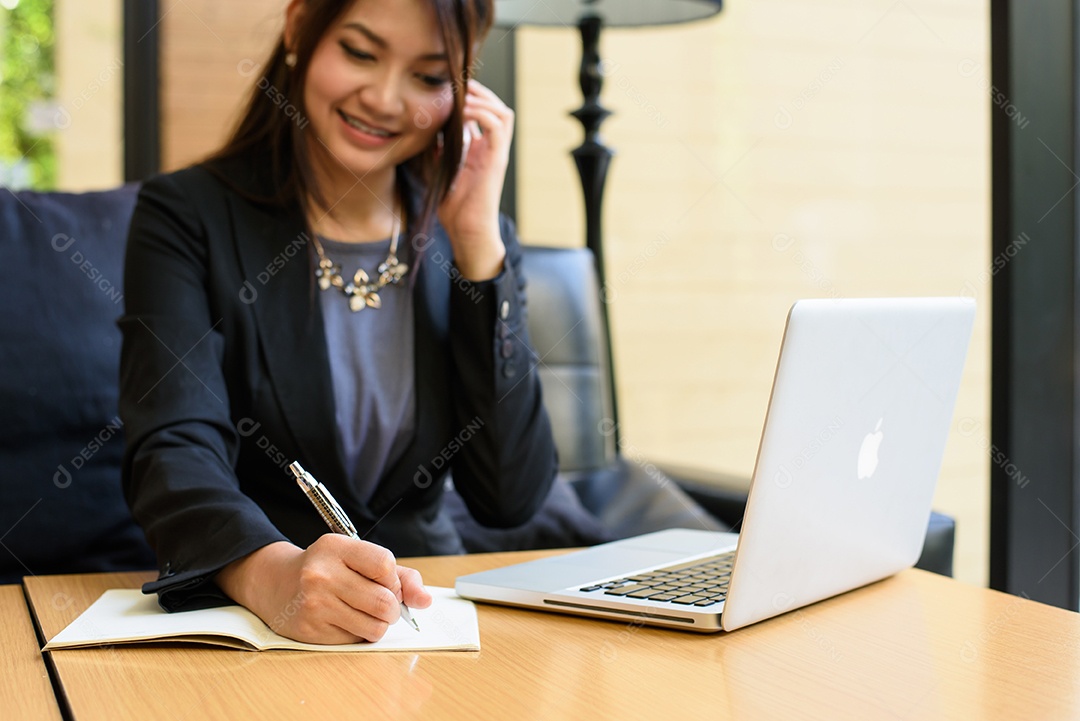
x=128, y=616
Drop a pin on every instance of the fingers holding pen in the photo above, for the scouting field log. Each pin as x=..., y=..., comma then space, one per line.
x=412, y=588
x=338, y=601
x=337, y=590
x=377, y=565
x=371, y=561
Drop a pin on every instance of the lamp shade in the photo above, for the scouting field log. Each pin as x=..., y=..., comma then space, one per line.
x=625, y=13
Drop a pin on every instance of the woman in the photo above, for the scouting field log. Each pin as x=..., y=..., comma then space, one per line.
x=329, y=288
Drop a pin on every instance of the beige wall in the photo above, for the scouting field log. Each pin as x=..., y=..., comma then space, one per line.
x=90, y=91
x=784, y=149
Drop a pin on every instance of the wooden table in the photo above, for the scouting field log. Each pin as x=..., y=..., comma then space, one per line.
x=25, y=689
x=916, y=646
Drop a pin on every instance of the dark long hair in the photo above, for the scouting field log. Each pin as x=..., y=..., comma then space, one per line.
x=265, y=130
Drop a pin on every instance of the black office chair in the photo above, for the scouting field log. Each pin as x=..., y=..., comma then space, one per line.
x=602, y=493
x=598, y=495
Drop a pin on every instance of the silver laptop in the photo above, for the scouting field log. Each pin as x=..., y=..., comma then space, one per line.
x=849, y=457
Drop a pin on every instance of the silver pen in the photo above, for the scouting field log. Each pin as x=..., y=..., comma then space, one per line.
x=334, y=516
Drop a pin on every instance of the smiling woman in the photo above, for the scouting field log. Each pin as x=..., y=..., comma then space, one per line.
x=237, y=266
x=383, y=83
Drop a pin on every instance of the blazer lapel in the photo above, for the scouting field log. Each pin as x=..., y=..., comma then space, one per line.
x=274, y=253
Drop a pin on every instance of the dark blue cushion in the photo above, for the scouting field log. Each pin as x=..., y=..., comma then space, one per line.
x=61, y=440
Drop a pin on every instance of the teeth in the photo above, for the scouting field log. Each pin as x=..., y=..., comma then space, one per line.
x=365, y=128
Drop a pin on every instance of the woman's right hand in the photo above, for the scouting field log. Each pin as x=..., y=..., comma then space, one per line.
x=338, y=590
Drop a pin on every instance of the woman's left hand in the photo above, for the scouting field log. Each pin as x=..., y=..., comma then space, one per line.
x=470, y=212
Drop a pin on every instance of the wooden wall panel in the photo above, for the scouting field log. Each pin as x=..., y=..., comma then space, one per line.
x=208, y=50
x=89, y=95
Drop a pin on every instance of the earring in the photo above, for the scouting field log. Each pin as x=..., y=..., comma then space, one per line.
x=290, y=60
x=439, y=141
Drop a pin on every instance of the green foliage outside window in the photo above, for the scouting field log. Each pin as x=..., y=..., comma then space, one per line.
x=26, y=82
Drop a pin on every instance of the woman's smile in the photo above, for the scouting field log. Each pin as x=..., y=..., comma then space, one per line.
x=364, y=133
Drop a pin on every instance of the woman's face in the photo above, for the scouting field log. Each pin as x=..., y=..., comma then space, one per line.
x=378, y=86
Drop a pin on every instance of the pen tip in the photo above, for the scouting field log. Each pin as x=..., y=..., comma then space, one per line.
x=407, y=615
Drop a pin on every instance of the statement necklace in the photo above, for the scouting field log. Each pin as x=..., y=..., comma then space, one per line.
x=362, y=292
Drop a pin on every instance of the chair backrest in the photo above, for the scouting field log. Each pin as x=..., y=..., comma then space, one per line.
x=61, y=440
x=566, y=329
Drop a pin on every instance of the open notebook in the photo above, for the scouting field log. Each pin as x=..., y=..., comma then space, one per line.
x=128, y=616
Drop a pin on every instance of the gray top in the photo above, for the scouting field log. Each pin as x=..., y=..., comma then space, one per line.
x=371, y=363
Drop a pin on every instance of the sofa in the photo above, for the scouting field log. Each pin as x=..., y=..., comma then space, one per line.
x=62, y=509
x=62, y=440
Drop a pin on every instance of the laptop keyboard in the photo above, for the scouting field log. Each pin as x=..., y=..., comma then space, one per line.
x=703, y=582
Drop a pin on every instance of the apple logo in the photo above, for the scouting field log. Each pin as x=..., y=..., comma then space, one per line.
x=868, y=453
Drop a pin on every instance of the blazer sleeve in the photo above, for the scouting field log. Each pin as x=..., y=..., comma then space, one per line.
x=505, y=462
x=182, y=447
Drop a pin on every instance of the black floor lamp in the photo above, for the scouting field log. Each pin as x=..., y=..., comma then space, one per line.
x=592, y=156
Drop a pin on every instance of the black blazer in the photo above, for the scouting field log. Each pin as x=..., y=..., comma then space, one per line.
x=225, y=380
